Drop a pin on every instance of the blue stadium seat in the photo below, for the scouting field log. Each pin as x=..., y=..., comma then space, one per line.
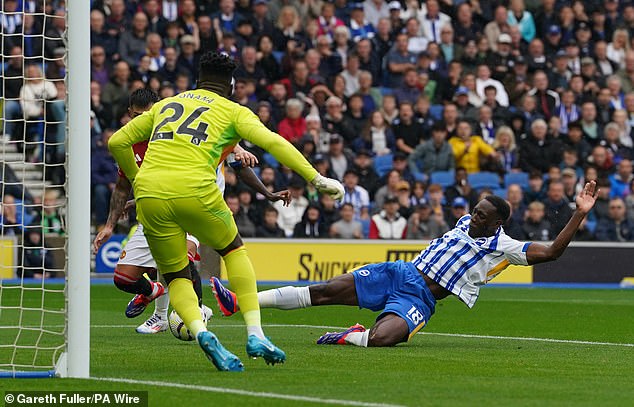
x=519, y=178
x=278, y=55
x=270, y=160
x=481, y=180
x=444, y=178
x=365, y=227
x=383, y=164
x=501, y=192
x=435, y=111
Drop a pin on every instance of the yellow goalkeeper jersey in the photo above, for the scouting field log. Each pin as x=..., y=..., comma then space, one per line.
x=188, y=134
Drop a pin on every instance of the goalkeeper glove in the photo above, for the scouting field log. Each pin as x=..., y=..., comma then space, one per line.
x=328, y=186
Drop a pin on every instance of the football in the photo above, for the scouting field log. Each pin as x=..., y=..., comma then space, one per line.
x=178, y=328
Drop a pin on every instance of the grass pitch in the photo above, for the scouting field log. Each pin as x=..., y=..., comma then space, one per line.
x=518, y=346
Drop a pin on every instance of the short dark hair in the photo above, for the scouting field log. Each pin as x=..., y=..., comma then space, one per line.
x=502, y=207
x=214, y=65
x=269, y=209
x=142, y=97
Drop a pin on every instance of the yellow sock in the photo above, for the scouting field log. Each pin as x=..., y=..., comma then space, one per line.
x=184, y=300
x=242, y=279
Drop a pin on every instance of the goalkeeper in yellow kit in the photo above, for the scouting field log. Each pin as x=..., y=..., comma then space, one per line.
x=175, y=191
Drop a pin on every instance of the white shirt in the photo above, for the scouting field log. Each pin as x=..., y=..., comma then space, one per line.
x=462, y=264
x=502, y=97
x=358, y=198
x=431, y=27
x=291, y=215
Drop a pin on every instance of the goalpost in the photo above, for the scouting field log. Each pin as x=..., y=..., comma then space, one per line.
x=45, y=190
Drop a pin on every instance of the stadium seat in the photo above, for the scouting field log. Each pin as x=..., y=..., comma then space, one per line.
x=444, y=178
x=365, y=227
x=501, y=192
x=435, y=111
x=270, y=160
x=481, y=180
x=382, y=164
x=519, y=178
x=278, y=55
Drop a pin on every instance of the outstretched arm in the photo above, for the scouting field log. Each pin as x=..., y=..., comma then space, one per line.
x=247, y=175
x=117, y=204
x=538, y=253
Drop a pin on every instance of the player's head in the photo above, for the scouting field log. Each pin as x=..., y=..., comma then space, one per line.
x=216, y=73
x=488, y=215
x=141, y=100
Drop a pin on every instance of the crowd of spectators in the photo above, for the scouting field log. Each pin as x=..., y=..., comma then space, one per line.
x=384, y=96
x=389, y=96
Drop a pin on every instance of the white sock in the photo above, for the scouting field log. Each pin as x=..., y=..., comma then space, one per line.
x=255, y=330
x=358, y=338
x=285, y=298
x=161, y=304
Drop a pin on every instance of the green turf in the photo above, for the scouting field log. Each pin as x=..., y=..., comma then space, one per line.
x=432, y=369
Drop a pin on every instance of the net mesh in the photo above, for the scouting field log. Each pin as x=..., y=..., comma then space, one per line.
x=32, y=165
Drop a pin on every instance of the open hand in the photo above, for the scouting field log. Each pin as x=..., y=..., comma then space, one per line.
x=102, y=237
x=587, y=197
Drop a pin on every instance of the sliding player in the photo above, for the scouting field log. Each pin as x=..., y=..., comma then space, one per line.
x=136, y=260
x=175, y=191
x=458, y=263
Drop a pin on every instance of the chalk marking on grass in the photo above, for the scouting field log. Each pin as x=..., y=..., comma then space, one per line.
x=238, y=392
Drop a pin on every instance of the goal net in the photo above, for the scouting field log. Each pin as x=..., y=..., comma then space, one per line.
x=34, y=188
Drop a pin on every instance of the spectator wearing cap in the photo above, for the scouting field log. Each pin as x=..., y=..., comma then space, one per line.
x=499, y=25
x=388, y=224
x=583, y=35
x=522, y=18
x=293, y=126
x=593, y=81
x=356, y=195
x=360, y=27
x=340, y=157
x=559, y=76
x=399, y=163
x=433, y=155
x=605, y=66
x=459, y=208
x=547, y=99
x=502, y=59
x=399, y=60
x=537, y=152
x=423, y=224
x=465, y=109
x=397, y=15
x=468, y=149
x=517, y=81
x=616, y=227
x=188, y=58
x=292, y=215
x=409, y=133
x=484, y=79
x=571, y=186
x=552, y=41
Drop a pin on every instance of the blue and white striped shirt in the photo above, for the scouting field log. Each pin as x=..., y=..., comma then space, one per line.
x=462, y=264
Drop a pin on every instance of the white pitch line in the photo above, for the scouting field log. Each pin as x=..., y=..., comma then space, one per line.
x=225, y=390
x=508, y=338
x=564, y=301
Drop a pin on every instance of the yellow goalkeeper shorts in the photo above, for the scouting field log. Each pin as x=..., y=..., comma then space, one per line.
x=166, y=220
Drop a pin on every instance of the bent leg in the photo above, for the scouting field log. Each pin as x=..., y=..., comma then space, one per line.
x=388, y=331
x=130, y=279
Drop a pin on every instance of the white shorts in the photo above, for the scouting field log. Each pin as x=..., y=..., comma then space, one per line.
x=137, y=252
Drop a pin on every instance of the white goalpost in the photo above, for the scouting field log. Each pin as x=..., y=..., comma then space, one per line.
x=45, y=189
